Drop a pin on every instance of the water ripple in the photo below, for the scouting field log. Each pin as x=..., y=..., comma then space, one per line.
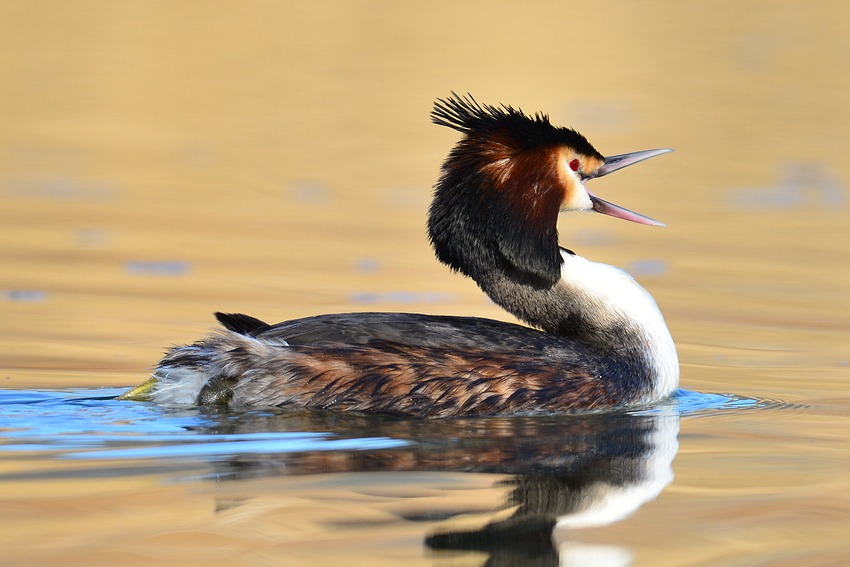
x=691, y=403
x=91, y=424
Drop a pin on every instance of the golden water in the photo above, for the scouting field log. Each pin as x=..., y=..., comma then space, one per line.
x=161, y=161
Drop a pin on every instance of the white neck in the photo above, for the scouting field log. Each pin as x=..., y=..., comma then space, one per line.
x=609, y=298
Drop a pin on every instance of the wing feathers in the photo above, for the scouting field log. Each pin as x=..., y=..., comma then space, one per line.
x=391, y=378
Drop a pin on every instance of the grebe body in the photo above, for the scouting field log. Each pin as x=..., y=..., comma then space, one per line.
x=600, y=340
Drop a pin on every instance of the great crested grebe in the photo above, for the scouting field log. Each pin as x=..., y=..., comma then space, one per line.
x=602, y=341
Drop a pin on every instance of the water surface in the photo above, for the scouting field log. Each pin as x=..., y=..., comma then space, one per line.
x=511, y=488
x=159, y=162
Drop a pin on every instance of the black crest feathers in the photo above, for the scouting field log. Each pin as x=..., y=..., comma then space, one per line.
x=468, y=116
x=496, y=204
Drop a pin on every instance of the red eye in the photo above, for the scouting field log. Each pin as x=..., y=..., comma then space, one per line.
x=574, y=165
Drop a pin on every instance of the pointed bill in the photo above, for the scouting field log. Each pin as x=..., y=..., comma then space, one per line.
x=613, y=210
x=613, y=163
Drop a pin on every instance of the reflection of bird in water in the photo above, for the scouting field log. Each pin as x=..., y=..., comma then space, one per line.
x=626, y=464
x=603, y=342
x=559, y=472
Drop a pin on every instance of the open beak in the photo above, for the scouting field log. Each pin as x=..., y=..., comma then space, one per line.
x=613, y=163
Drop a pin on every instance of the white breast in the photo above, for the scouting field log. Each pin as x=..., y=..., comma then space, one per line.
x=612, y=297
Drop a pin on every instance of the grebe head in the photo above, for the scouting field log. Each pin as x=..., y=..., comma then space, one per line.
x=497, y=201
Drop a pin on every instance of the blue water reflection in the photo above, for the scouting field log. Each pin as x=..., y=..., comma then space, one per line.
x=559, y=472
x=90, y=423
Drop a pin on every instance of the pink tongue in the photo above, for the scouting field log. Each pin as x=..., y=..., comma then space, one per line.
x=613, y=210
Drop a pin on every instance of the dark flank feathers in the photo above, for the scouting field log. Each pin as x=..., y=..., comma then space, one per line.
x=389, y=377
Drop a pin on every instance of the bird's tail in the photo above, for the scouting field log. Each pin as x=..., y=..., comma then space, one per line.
x=204, y=372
